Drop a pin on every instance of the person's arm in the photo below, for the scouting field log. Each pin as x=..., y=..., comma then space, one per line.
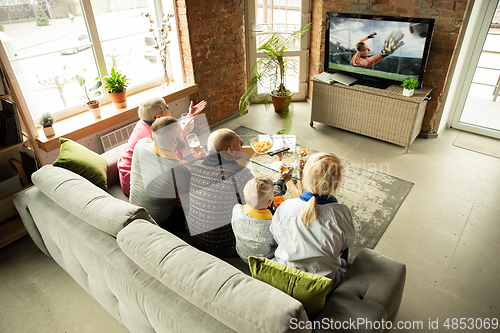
x=280, y=185
x=358, y=61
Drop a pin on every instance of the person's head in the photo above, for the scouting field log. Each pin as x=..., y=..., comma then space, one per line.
x=362, y=48
x=226, y=142
x=322, y=176
x=153, y=109
x=167, y=134
x=259, y=192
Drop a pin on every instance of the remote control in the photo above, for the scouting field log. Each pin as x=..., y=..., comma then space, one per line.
x=272, y=153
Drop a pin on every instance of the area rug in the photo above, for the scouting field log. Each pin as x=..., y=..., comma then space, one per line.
x=374, y=197
x=478, y=143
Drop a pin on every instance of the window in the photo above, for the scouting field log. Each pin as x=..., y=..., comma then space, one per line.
x=49, y=42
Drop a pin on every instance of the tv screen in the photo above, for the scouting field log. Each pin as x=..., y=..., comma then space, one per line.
x=377, y=50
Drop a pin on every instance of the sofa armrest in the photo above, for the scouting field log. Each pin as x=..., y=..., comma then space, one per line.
x=371, y=290
x=112, y=156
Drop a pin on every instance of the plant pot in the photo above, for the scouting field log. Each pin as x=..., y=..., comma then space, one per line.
x=48, y=131
x=119, y=99
x=281, y=103
x=95, y=109
x=408, y=93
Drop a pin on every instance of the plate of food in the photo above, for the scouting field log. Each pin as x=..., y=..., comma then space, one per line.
x=261, y=144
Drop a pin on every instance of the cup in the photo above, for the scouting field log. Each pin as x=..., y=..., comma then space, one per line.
x=286, y=165
x=194, y=142
x=278, y=200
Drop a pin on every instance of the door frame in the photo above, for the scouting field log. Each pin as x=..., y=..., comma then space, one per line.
x=303, y=53
x=475, y=36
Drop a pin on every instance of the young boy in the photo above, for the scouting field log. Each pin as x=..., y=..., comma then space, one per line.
x=251, y=222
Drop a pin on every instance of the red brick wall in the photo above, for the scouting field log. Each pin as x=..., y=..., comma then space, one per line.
x=213, y=46
x=449, y=18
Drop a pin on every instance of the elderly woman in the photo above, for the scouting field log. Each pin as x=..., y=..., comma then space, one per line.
x=149, y=111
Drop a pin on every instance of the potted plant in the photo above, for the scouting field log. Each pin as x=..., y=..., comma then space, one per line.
x=46, y=121
x=409, y=84
x=272, y=68
x=116, y=84
x=90, y=94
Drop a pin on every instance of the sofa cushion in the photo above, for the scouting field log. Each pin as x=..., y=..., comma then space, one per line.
x=310, y=289
x=75, y=157
x=85, y=200
x=235, y=299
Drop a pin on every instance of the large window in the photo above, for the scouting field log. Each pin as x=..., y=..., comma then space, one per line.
x=49, y=42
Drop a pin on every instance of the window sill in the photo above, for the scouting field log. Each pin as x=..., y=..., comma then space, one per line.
x=83, y=124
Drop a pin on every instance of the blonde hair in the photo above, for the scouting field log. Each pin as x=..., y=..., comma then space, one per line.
x=322, y=176
x=258, y=191
x=148, y=110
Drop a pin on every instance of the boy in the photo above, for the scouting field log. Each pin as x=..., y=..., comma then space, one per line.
x=251, y=222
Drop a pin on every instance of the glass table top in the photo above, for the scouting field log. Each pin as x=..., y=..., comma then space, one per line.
x=267, y=164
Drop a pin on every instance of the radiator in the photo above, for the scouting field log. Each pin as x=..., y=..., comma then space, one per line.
x=117, y=137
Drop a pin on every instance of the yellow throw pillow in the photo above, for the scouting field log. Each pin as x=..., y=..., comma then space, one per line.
x=310, y=289
x=75, y=157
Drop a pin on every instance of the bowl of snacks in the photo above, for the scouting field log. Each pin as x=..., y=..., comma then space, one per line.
x=261, y=144
x=303, y=153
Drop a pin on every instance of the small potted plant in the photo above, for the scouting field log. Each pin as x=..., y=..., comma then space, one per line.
x=116, y=84
x=409, y=85
x=46, y=121
x=90, y=94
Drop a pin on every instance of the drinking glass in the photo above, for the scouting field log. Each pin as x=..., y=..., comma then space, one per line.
x=194, y=142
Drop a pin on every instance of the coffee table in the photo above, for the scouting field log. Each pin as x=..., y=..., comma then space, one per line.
x=267, y=165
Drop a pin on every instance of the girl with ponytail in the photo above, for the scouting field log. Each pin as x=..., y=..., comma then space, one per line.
x=312, y=231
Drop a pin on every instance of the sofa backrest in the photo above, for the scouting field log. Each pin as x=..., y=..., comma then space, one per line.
x=86, y=201
x=112, y=156
x=235, y=299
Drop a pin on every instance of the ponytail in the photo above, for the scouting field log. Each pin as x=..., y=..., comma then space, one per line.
x=310, y=212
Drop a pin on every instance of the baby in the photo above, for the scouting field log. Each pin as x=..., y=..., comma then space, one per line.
x=251, y=222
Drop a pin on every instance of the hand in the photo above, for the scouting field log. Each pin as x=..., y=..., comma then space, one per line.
x=200, y=155
x=287, y=175
x=187, y=125
x=194, y=110
x=392, y=43
x=372, y=35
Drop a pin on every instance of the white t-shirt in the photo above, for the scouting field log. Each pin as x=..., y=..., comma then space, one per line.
x=315, y=249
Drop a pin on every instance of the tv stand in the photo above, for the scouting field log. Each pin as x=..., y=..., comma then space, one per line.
x=373, y=83
x=384, y=114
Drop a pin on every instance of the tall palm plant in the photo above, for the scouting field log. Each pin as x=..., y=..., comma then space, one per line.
x=272, y=68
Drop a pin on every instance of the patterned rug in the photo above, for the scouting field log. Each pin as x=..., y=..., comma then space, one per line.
x=373, y=197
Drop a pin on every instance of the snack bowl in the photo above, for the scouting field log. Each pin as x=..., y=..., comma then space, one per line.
x=261, y=144
x=303, y=152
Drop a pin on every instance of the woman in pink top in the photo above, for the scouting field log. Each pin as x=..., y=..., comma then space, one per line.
x=148, y=112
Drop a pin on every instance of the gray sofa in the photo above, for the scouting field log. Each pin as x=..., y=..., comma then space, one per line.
x=153, y=281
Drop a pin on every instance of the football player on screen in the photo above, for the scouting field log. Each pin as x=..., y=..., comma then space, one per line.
x=364, y=58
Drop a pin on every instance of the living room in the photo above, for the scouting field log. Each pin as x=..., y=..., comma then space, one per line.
x=444, y=231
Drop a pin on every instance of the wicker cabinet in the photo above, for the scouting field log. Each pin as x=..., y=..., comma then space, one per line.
x=384, y=114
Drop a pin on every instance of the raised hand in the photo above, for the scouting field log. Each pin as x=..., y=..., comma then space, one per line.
x=372, y=35
x=187, y=126
x=194, y=110
x=393, y=42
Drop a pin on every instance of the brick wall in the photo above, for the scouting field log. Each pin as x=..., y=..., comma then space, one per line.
x=449, y=18
x=212, y=37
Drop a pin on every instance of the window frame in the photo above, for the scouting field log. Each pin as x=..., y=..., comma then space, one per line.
x=174, y=50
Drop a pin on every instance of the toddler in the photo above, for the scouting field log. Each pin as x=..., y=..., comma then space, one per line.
x=251, y=221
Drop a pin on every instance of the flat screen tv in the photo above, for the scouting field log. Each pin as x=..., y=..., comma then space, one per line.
x=377, y=50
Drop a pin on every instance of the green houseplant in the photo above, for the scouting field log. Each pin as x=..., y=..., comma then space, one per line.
x=46, y=121
x=272, y=68
x=116, y=84
x=90, y=95
x=409, y=84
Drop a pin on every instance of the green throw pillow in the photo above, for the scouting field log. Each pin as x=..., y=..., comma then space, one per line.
x=310, y=289
x=80, y=160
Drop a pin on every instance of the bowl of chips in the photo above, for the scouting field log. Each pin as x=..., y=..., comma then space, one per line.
x=261, y=144
x=303, y=152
